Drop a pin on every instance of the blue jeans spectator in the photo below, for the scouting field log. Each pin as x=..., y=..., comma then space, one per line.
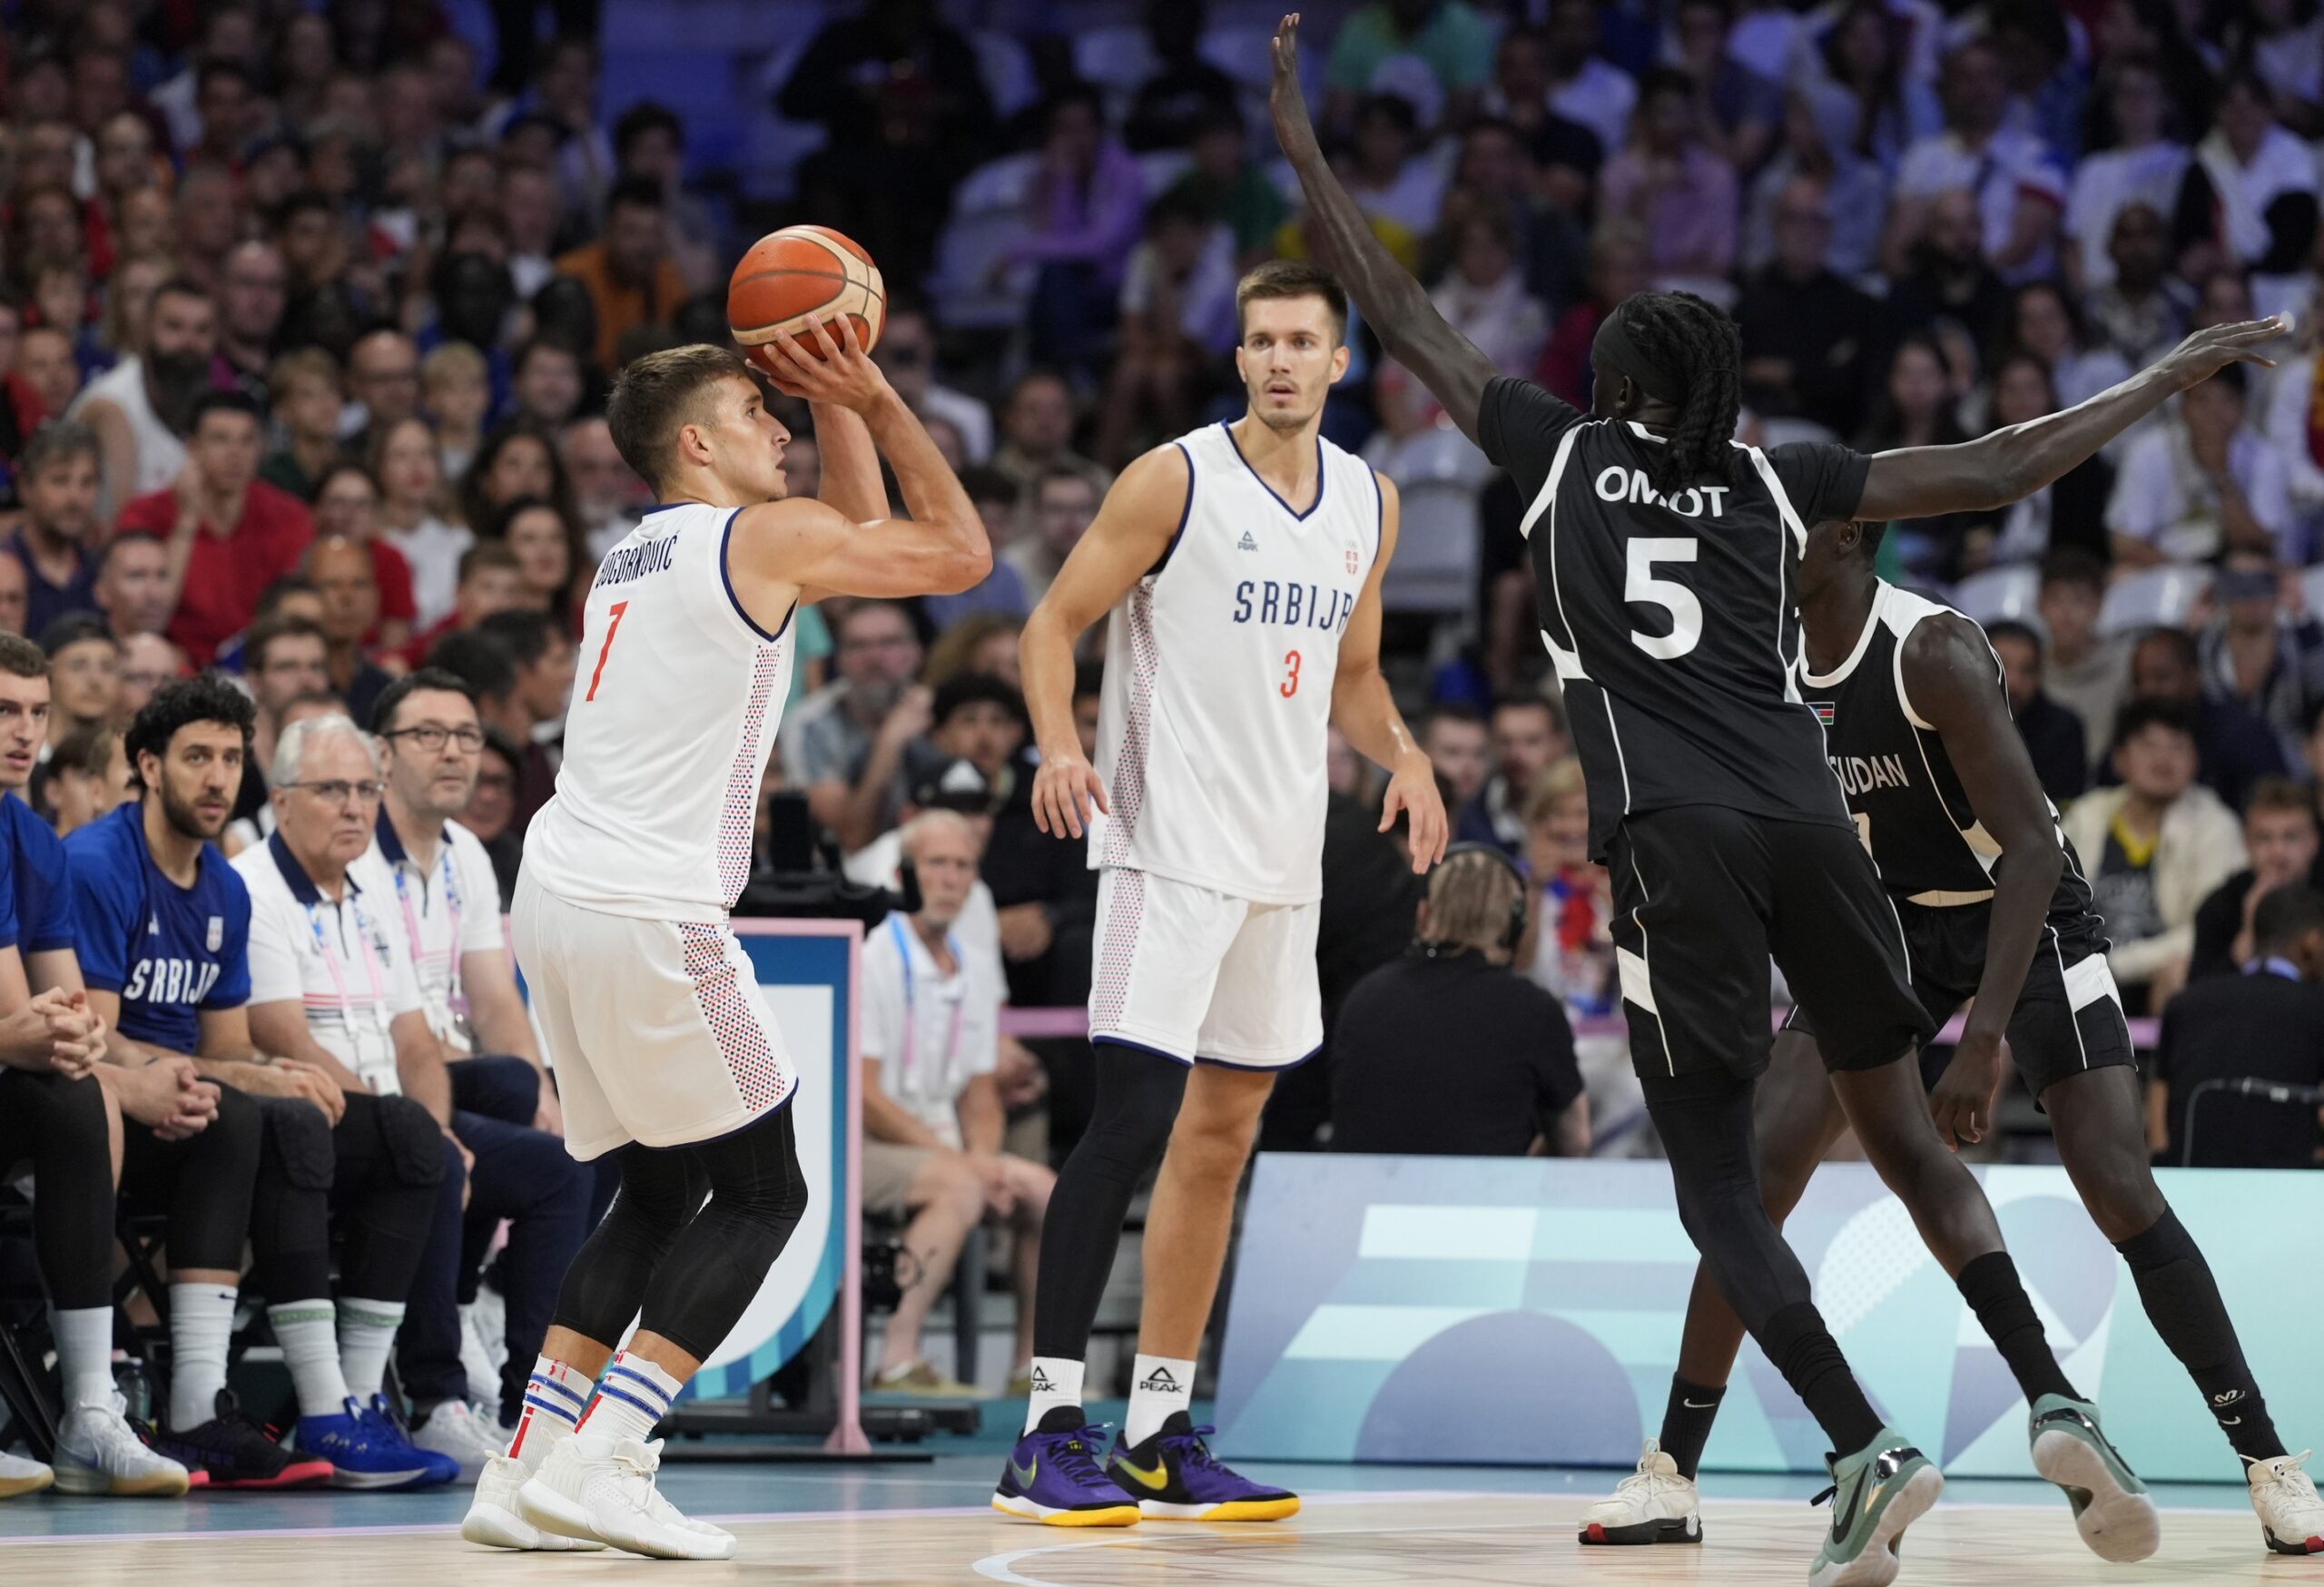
x=523, y=1175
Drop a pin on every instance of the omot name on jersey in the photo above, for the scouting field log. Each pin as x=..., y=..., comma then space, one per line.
x=1616, y=483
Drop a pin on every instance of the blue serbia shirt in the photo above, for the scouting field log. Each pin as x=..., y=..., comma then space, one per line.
x=169, y=950
x=39, y=918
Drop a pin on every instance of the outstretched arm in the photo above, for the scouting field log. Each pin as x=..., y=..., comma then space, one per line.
x=1393, y=303
x=1952, y=682
x=2011, y=464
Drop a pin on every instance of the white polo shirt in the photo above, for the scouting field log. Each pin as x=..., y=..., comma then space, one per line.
x=932, y=1032
x=340, y=960
x=438, y=915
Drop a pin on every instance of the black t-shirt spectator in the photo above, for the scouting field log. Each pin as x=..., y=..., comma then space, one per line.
x=1449, y=1055
x=2219, y=920
x=2262, y=1024
x=1172, y=107
x=1824, y=328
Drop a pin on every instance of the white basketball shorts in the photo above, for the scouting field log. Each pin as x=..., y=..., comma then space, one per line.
x=655, y=1030
x=1195, y=975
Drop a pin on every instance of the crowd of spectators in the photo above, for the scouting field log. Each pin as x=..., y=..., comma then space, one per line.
x=307, y=319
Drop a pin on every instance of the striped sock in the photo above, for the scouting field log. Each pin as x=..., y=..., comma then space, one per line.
x=367, y=1334
x=632, y=1396
x=555, y=1397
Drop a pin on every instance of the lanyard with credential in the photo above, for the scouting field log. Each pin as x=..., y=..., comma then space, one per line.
x=451, y=917
x=911, y=1008
x=339, y=976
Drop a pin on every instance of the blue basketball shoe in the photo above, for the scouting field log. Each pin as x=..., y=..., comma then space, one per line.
x=367, y=1450
x=1053, y=1477
x=1174, y=1477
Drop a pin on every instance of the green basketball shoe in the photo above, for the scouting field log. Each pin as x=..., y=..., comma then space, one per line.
x=2110, y=1507
x=1875, y=1493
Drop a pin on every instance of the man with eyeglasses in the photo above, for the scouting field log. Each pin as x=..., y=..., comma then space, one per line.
x=442, y=905
x=382, y=386
x=147, y=662
x=330, y=990
x=283, y=658
x=907, y=356
x=850, y=744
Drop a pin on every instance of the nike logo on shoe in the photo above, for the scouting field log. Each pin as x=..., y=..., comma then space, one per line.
x=1155, y=1480
x=1023, y=1475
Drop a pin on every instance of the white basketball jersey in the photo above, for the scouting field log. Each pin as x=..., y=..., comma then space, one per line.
x=674, y=705
x=1219, y=665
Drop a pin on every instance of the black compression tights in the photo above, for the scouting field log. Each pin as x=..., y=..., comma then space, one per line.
x=59, y=1125
x=1706, y=1129
x=203, y=1183
x=1138, y=1093
x=691, y=1268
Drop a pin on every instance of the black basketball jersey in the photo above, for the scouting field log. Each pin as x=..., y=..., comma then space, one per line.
x=1672, y=623
x=1926, y=841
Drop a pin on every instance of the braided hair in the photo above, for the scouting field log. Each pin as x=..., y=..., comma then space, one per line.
x=1697, y=343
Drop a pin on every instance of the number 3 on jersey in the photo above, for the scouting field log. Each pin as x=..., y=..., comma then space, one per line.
x=1290, y=684
x=612, y=628
x=1640, y=587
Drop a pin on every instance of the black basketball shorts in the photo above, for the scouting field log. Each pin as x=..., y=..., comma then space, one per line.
x=1704, y=896
x=2069, y=1017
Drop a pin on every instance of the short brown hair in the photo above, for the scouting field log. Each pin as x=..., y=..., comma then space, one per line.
x=659, y=393
x=270, y=629
x=1295, y=278
x=306, y=363
x=20, y=658
x=488, y=554
x=2279, y=793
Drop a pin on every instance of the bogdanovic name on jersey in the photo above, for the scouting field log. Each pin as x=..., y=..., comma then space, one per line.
x=625, y=563
x=1862, y=773
x=1293, y=604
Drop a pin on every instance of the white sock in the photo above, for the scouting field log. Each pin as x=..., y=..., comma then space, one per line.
x=85, y=1354
x=201, y=1326
x=1158, y=1386
x=367, y=1333
x=307, y=1332
x=632, y=1396
x=555, y=1397
x=1056, y=1381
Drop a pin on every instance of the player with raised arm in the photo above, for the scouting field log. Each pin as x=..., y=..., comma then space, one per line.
x=1242, y=565
x=1665, y=558
x=664, y=1051
x=1995, y=907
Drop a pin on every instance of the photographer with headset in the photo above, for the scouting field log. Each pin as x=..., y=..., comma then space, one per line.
x=1449, y=1051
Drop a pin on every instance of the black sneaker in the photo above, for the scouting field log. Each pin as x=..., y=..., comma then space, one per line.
x=234, y=1450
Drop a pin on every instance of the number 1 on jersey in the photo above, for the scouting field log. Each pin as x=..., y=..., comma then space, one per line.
x=612, y=628
x=1290, y=684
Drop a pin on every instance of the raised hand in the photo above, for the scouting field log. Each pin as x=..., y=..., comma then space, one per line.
x=844, y=375
x=1293, y=129
x=2206, y=351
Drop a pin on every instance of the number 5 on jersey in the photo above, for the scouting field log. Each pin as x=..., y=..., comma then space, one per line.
x=1640, y=587
x=613, y=628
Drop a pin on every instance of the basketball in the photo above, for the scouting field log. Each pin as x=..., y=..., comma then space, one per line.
x=796, y=278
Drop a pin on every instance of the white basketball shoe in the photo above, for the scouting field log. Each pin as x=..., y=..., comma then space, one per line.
x=2291, y=1517
x=19, y=1475
x=97, y=1452
x=603, y=1488
x=455, y=1429
x=1653, y=1504
x=495, y=1520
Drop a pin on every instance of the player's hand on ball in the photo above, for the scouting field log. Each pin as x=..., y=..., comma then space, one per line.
x=844, y=375
x=1962, y=1102
x=2206, y=351
x=1064, y=789
x=1413, y=790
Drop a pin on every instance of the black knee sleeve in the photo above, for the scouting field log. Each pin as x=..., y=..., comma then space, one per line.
x=290, y=1201
x=716, y=1265
x=210, y=1212
x=411, y=1139
x=660, y=1192
x=60, y=1125
x=1138, y=1093
x=389, y=1160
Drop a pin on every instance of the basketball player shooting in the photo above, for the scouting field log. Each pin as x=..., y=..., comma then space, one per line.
x=664, y=1052
x=1242, y=565
x=1665, y=558
x=1995, y=907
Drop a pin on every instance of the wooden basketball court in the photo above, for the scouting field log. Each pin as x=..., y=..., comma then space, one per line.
x=1373, y=1540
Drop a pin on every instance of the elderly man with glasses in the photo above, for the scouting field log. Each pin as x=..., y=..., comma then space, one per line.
x=442, y=905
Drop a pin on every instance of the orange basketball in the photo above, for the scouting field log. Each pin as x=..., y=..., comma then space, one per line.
x=798, y=277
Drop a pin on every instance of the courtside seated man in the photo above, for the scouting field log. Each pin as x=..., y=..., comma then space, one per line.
x=663, y=1049
x=1665, y=559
